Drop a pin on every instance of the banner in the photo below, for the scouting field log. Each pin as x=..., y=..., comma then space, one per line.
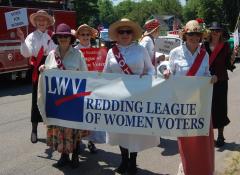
x=236, y=38
x=95, y=58
x=179, y=106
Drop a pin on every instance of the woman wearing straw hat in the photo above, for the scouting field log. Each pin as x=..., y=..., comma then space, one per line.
x=190, y=59
x=152, y=28
x=37, y=45
x=84, y=34
x=133, y=59
x=64, y=140
x=221, y=60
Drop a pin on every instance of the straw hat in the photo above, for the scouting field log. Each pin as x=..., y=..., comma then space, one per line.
x=193, y=26
x=93, y=31
x=150, y=26
x=43, y=14
x=63, y=29
x=137, y=31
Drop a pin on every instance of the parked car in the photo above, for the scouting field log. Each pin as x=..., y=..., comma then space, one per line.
x=104, y=40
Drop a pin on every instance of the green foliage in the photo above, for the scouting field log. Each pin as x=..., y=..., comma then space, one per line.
x=106, y=15
x=223, y=11
x=87, y=11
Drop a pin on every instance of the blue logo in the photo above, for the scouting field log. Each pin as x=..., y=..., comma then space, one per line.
x=65, y=98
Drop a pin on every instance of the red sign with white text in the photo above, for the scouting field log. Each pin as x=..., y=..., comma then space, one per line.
x=95, y=58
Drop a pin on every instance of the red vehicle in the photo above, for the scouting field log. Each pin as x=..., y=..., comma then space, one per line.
x=12, y=63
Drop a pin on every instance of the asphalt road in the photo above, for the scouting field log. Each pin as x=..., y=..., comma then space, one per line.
x=18, y=156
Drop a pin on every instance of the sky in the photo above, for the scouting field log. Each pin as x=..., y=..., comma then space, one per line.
x=183, y=2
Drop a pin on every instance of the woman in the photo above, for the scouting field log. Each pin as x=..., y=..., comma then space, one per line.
x=64, y=140
x=84, y=34
x=152, y=28
x=37, y=45
x=125, y=32
x=220, y=61
x=189, y=59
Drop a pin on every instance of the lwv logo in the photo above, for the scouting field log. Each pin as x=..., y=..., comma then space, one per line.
x=65, y=98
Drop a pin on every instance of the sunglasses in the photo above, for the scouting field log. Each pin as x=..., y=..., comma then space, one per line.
x=194, y=34
x=121, y=32
x=85, y=34
x=216, y=30
x=63, y=36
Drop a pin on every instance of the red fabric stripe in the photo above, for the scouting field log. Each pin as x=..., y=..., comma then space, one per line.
x=215, y=52
x=71, y=97
x=193, y=70
x=121, y=61
x=35, y=62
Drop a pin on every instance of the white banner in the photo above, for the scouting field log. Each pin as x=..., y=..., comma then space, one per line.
x=236, y=38
x=16, y=18
x=180, y=106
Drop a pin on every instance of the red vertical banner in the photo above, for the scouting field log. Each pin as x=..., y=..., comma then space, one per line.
x=95, y=58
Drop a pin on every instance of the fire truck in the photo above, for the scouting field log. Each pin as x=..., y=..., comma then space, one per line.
x=12, y=63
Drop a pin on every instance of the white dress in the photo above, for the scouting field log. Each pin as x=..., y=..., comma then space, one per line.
x=137, y=58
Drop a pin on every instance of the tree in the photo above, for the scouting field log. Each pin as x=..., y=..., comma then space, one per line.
x=86, y=11
x=232, y=10
x=106, y=15
x=190, y=11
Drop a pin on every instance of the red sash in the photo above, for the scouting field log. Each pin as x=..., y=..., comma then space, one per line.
x=121, y=61
x=215, y=52
x=59, y=62
x=35, y=62
x=197, y=62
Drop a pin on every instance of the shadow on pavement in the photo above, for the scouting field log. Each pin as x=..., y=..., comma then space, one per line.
x=102, y=163
x=170, y=147
x=14, y=87
x=230, y=147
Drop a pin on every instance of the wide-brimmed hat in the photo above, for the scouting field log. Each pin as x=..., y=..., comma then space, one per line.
x=193, y=26
x=92, y=31
x=150, y=26
x=137, y=31
x=215, y=26
x=43, y=14
x=63, y=29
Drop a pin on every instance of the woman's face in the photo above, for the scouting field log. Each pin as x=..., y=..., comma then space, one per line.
x=84, y=37
x=216, y=34
x=124, y=36
x=41, y=23
x=193, y=39
x=64, y=40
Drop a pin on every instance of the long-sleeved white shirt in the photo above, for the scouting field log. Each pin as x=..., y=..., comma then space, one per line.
x=135, y=56
x=181, y=60
x=147, y=42
x=33, y=43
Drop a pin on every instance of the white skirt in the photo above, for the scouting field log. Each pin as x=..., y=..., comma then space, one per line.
x=133, y=142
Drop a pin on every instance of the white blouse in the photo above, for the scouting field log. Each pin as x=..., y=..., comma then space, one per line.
x=73, y=60
x=33, y=43
x=147, y=42
x=80, y=46
x=135, y=56
x=181, y=60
